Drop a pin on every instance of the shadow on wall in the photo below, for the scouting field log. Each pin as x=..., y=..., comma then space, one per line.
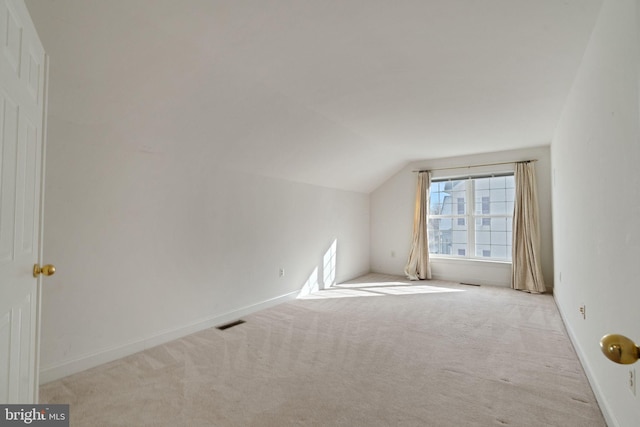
x=328, y=273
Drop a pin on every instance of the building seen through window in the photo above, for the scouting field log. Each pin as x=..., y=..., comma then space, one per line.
x=472, y=218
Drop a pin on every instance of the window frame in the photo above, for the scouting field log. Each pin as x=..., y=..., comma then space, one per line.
x=470, y=217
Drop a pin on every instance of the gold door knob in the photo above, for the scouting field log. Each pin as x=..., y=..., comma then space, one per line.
x=619, y=349
x=47, y=270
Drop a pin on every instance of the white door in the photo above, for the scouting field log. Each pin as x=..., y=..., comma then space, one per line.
x=22, y=108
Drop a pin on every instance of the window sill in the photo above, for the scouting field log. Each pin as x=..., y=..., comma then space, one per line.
x=450, y=259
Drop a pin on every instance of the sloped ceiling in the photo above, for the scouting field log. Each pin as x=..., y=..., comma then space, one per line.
x=338, y=93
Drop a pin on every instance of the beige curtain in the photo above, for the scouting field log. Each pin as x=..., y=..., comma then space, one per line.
x=526, y=269
x=418, y=267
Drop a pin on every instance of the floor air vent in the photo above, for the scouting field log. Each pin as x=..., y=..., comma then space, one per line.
x=469, y=284
x=230, y=325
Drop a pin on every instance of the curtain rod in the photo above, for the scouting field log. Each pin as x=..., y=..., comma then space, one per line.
x=475, y=166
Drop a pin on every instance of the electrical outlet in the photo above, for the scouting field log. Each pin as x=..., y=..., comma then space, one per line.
x=583, y=311
x=632, y=380
x=281, y=272
x=393, y=254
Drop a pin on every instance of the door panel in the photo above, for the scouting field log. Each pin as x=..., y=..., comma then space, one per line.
x=27, y=176
x=24, y=316
x=21, y=143
x=8, y=144
x=13, y=41
x=5, y=342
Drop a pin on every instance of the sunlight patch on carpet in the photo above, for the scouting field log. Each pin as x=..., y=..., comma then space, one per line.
x=353, y=290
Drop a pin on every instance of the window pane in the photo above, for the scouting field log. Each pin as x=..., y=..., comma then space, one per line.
x=434, y=202
x=510, y=181
x=458, y=185
x=501, y=252
x=483, y=237
x=509, y=208
x=459, y=224
x=494, y=196
x=436, y=186
x=498, y=208
x=446, y=236
x=435, y=197
x=439, y=236
x=480, y=250
x=498, y=237
x=498, y=182
x=498, y=194
x=460, y=249
x=493, y=238
x=445, y=197
x=459, y=237
x=493, y=224
x=481, y=184
x=499, y=224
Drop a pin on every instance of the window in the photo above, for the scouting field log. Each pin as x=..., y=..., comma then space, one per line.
x=472, y=217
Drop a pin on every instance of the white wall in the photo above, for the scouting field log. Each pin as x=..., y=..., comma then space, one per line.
x=392, y=207
x=151, y=245
x=596, y=199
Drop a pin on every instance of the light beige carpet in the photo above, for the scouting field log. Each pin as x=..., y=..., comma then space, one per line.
x=378, y=351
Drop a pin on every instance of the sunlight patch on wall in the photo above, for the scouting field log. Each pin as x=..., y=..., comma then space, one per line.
x=311, y=285
x=329, y=265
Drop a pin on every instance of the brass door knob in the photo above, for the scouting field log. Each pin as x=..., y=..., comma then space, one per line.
x=619, y=349
x=47, y=270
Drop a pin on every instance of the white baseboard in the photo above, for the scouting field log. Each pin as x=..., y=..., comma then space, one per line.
x=474, y=271
x=602, y=401
x=475, y=281
x=87, y=361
